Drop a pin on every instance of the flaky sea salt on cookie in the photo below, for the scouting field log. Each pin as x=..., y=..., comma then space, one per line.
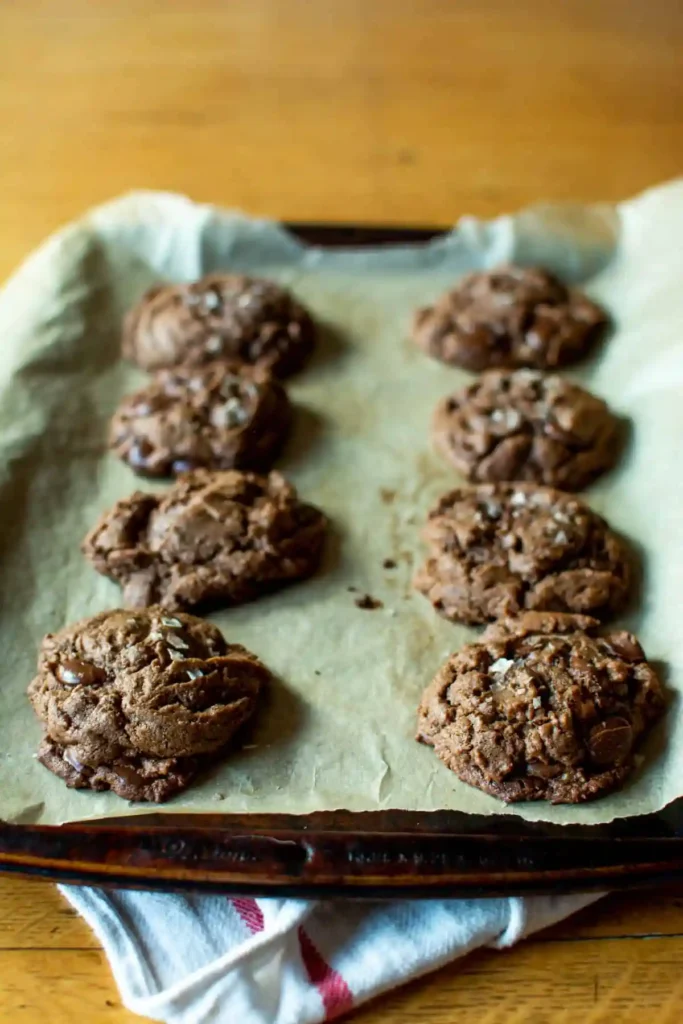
x=139, y=702
x=542, y=708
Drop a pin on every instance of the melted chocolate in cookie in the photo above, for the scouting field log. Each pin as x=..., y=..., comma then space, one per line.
x=512, y=316
x=212, y=538
x=525, y=425
x=542, y=708
x=222, y=316
x=496, y=550
x=219, y=416
x=139, y=702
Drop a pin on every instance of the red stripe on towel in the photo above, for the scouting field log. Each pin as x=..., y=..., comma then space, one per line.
x=336, y=995
x=250, y=912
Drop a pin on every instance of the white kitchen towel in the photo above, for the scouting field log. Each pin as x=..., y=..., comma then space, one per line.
x=236, y=960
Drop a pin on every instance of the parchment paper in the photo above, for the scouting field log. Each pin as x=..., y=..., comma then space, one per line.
x=338, y=729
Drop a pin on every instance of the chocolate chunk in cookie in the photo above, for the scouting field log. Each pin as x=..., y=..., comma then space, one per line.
x=218, y=416
x=213, y=538
x=526, y=425
x=542, y=708
x=139, y=702
x=221, y=316
x=508, y=317
x=496, y=550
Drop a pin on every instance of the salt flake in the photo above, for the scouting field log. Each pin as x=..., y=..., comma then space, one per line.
x=177, y=642
x=211, y=300
x=501, y=666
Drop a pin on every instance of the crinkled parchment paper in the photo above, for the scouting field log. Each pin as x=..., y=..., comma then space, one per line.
x=338, y=728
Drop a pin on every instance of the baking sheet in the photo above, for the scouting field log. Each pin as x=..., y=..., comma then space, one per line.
x=338, y=728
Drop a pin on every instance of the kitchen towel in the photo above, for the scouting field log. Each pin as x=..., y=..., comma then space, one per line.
x=194, y=959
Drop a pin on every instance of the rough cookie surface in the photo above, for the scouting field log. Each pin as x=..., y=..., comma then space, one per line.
x=138, y=702
x=509, y=317
x=212, y=538
x=221, y=316
x=219, y=416
x=496, y=550
x=526, y=425
x=542, y=709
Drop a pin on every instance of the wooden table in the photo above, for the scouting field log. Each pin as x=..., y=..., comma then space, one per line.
x=367, y=110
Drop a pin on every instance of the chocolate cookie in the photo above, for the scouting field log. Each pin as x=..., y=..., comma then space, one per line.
x=541, y=708
x=498, y=549
x=526, y=425
x=138, y=702
x=221, y=316
x=212, y=538
x=218, y=416
x=511, y=316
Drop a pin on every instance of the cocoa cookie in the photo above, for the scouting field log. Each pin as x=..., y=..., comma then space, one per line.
x=496, y=550
x=512, y=316
x=218, y=416
x=139, y=702
x=211, y=538
x=542, y=708
x=526, y=425
x=221, y=316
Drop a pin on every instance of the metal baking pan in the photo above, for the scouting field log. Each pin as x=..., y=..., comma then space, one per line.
x=379, y=854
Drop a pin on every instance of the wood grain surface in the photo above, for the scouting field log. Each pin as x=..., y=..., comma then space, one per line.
x=404, y=111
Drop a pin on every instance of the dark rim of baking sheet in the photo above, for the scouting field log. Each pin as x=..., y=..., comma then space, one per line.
x=342, y=853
